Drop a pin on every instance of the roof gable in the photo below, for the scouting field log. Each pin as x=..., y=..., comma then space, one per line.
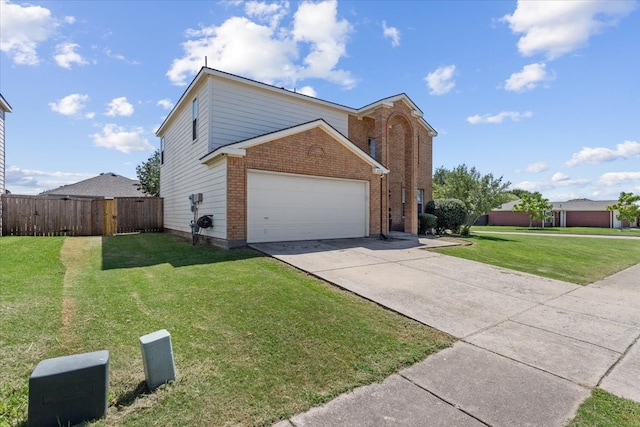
x=239, y=148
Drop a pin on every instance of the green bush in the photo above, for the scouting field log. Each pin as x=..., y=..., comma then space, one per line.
x=426, y=222
x=451, y=214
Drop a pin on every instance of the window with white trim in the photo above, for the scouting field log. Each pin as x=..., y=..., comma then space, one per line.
x=162, y=150
x=372, y=147
x=194, y=119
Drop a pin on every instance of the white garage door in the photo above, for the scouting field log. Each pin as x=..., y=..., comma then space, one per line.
x=283, y=207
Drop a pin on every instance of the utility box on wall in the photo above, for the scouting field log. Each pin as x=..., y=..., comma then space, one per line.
x=69, y=390
x=157, y=357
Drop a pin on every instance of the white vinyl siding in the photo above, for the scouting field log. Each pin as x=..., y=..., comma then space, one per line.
x=182, y=172
x=241, y=111
x=283, y=207
x=1, y=157
x=1, y=162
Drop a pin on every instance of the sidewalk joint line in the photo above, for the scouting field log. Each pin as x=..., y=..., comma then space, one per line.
x=618, y=361
x=442, y=399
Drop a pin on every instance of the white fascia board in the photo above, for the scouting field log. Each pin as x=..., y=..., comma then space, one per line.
x=226, y=150
x=388, y=102
x=4, y=105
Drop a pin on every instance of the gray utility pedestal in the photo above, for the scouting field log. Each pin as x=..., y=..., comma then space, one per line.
x=157, y=356
x=69, y=390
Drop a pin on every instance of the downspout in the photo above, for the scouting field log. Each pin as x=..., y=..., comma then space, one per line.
x=382, y=235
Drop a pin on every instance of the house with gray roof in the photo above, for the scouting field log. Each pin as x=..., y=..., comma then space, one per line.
x=105, y=185
x=571, y=213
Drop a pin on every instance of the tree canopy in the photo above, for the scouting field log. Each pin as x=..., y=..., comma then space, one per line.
x=627, y=207
x=479, y=193
x=535, y=206
x=149, y=175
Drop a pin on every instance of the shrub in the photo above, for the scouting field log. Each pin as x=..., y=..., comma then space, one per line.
x=451, y=214
x=426, y=222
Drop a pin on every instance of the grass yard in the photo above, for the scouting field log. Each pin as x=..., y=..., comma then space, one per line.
x=628, y=232
x=603, y=409
x=255, y=341
x=580, y=260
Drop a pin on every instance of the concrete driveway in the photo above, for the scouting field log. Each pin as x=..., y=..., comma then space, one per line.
x=530, y=350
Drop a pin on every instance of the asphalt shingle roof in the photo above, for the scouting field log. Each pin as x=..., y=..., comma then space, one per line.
x=104, y=185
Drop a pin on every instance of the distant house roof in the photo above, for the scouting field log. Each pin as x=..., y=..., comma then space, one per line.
x=584, y=205
x=104, y=185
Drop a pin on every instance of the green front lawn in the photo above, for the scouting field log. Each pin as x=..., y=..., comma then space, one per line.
x=603, y=409
x=627, y=232
x=255, y=341
x=580, y=260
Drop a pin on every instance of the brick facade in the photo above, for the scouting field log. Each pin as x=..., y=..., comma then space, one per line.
x=588, y=219
x=312, y=152
x=405, y=147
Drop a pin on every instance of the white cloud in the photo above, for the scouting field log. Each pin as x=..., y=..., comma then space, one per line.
x=535, y=167
x=165, y=103
x=559, y=176
x=119, y=107
x=308, y=90
x=70, y=105
x=560, y=181
x=121, y=139
x=267, y=12
x=555, y=28
x=611, y=179
x=499, y=118
x=598, y=155
x=31, y=182
x=90, y=115
x=23, y=29
x=66, y=55
x=391, y=33
x=317, y=24
x=69, y=19
x=441, y=81
x=528, y=78
x=270, y=53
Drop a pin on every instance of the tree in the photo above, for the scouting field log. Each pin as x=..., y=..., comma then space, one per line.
x=519, y=192
x=479, y=193
x=149, y=175
x=450, y=214
x=535, y=206
x=627, y=207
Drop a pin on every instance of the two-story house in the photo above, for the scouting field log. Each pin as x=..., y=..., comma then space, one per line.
x=269, y=164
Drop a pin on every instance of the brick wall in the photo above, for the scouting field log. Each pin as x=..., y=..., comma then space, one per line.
x=513, y=219
x=313, y=152
x=588, y=219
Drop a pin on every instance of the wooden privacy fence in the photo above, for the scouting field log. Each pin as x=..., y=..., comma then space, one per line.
x=49, y=216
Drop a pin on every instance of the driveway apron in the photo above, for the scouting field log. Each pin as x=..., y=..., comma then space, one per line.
x=530, y=348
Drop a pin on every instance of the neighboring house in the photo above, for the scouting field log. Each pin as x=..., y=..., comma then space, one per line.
x=572, y=213
x=4, y=108
x=271, y=164
x=105, y=185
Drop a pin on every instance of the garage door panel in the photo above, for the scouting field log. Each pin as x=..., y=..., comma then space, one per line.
x=296, y=207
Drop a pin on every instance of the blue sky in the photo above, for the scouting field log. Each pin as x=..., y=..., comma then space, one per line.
x=545, y=94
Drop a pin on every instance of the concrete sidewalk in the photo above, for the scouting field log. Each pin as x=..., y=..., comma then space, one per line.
x=531, y=348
